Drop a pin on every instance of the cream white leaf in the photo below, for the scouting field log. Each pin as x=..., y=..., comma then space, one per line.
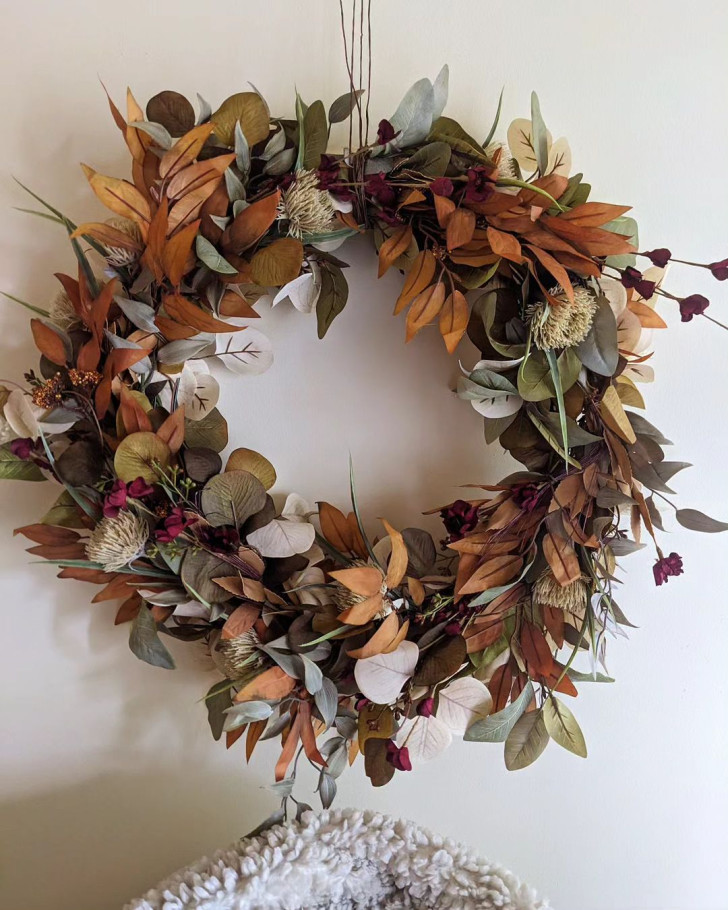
x=462, y=703
x=425, y=738
x=303, y=292
x=520, y=143
x=501, y=406
x=381, y=678
x=281, y=538
x=21, y=415
x=296, y=508
x=247, y=353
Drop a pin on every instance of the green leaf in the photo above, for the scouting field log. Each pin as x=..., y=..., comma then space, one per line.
x=14, y=468
x=64, y=513
x=497, y=727
x=430, y=160
x=598, y=351
x=207, y=254
x=539, y=135
x=577, y=435
x=562, y=727
x=551, y=438
x=628, y=226
x=211, y=432
x=535, y=382
x=332, y=298
x=218, y=700
x=316, y=131
x=577, y=676
x=491, y=133
x=341, y=109
x=28, y=306
x=569, y=368
x=526, y=741
x=145, y=643
x=694, y=520
x=242, y=151
x=556, y=379
x=300, y=116
x=413, y=118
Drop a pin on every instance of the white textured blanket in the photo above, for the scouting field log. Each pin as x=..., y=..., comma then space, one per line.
x=345, y=860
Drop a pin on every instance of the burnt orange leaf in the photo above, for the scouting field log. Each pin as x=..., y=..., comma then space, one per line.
x=562, y=559
x=107, y=235
x=393, y=247
x=172, y=431
x=119, y=195
x=172, y=330
x=277, y=263
x=177, y=256
x=251, y=224
x=505, y=245
x=289, y=748
x=460, y=228
x=491, y=574
x=649, y=318
x=271, y=685
x=363, y=580
x=336, y=528
x=553, y=619
x=454, y=319
x=195, y=176
x=48, y=534
x=594, y=214
x=398, y=560
x=186, y=313
x=255, y=731
x=364, y=611
x=128, y=610
x=233, y=304
x=425, y=307
x=555, y=268
x=133, y=415
x=184, y=151
x=499, y=686
x=444, y=208
x=536, y=651
x=418, y=278
x=189, y=207
x=48, y=342
x=240, y=621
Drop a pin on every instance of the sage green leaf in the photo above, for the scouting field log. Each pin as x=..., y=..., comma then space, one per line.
x=440, y=89
x=332, y=297
x=145, y=643
x=197, y=573
x=535, y=382
x=29, y=306
x=207, y=253
x=562, y=727
x=576, y=435
x=556, y=379
x=539, y=135
x=598, y=351
x=577, y=676
x=245, y=713
x=496, y=727
x=211, y=432
x=139, y=314
x=218, y=700
x=413, y=118
x=159, y=133
x=14, y=468
x=627, y=226
x=668, y=469
x=341, y=109
x=280, y=163
x=551, y=438
x=526, y=741
x=643, y=427
x=232, y=498
x=569, y=368
x=694, y=520
x=242, y=151
x=316, y=131
x=327, y=701
x=491, y=132
x=64, y=513
x=326, y=789
x=622, y=546
x=430, y=160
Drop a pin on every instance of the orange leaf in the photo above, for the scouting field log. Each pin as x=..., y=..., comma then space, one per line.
x=553, y=619
x=172, y=330
x=444, y=208
x=425, y=307
x=460, y=228
x=48, y=342
x=195, y=176
x=271, y=685
x=107, y=235
x=505, y=245
x=648, y=318
x=233, y=304
x=398, y=560
x=562, y=559
x=119, y=195
x=255, y=731
x=251, y=224
x=128, y=610
x=594, y=214
x=289, y=749
x=177, y=256
x=555, y=268
x=336, y=528
x=535, y=649
x=366, y=581
x=186, y=313
x=418, y=278
x=172, y=431
x=48, y=534
x=308, y=737
x=364, y=611
x=454, y=320
x=493, y=572
x=188, y=208
x=184, y=151
x=393, y=247
x=133, y=415
x=240, y=621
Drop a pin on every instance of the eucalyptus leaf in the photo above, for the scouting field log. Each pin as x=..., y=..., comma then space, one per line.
x=242, y=151
x=145, y=643
x=341, y=109
x=139, y=314
x=496, y=727
x=562, y=727
x=184, y=349
x=526, y=741
x=245, y=713
x=694, y=520
x=414, y=115
x=539, y=135
x=158, y=132
x=317, y=135
x=217, y=700
x=207, y=253
x=327, y=701
x=326, y=789
x=577, y=676
x=627, y=226
x=598, y=351
x=332, y=297
x=535, y=382
x=234, y=186
x=14, y=468
x=430, y=160
x=231, y=498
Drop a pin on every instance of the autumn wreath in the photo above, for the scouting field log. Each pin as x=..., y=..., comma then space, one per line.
x=328, y=639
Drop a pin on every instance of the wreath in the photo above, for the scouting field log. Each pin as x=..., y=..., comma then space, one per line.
x=329, y=638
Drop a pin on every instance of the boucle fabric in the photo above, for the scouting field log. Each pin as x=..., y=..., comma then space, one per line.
x=342, y=860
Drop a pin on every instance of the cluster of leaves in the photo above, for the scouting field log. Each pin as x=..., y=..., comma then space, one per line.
x=333, y=642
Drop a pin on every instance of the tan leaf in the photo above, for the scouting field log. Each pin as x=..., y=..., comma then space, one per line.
x=393, y=247
x=491, y=574
x=418, y=278
x=195, y=176
x=364, y=611
x=505, y=245
x=48, y=342
x=460, y=228
x=119, y=195
x=425, y=307
x=177, y=256
x=363, y=580
x=184, y=151
x=241, y=620
x=185, y=312
x=562, y=559
x=172, y=431
x=381, y=641
x=614, y=416
x=278, y=263
x=454, y=320
x=272, y=684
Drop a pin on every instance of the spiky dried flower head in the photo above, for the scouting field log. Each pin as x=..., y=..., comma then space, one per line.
x=238, y=656
x=117, y=541
x=501, y=154
x=307, y=208
x=344, y=598
x=571, y=598
x=119, y=257
x=62, y=313
x=563, y=324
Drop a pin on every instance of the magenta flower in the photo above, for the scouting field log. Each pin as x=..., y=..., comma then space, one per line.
x=659, y=257
x=719, y=270
x=667, y=567
x=426, y=707
x=398, y=757
x=385, y=132
x=479, y=186
x=632, y=278
x=442, y=186
x=526, y=496
x=694, y=305
x=459, y=519
x=174, y=524
x=116, y=498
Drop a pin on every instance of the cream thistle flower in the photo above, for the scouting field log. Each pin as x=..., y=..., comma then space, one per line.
x=308, y=209
x=234, y=654
x=118, y=257
x=117, y=541
x=571, y=598
x=566, y=324
x=61, y=311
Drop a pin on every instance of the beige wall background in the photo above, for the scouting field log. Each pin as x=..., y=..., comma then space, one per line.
x=109, y=777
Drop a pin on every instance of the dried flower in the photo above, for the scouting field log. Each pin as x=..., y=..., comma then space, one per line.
x=118, y=541
x=526, y=495
x=85, y=380
x=667, y=567
x=694, y=305
x=399, y=757
x=116, y=498
x=307, y=208
x=225, y=539
x=442, y=186
x=385, y=132
x=632, y=278
x=329, y=178
x=659, y=257
x=459, y=519
x=565, y=324
x=571, y=598
x=426, y=707
x=480, y=183
x=240, y=654
x=174, y=524
x=719, y=270
x=120, y=257
x=49, y=393
x=62, y=311
x=501, y=154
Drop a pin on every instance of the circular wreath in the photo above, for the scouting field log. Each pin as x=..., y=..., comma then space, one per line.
x=331, y=639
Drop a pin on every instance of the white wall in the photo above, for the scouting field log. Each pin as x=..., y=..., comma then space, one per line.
x=108, y=772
